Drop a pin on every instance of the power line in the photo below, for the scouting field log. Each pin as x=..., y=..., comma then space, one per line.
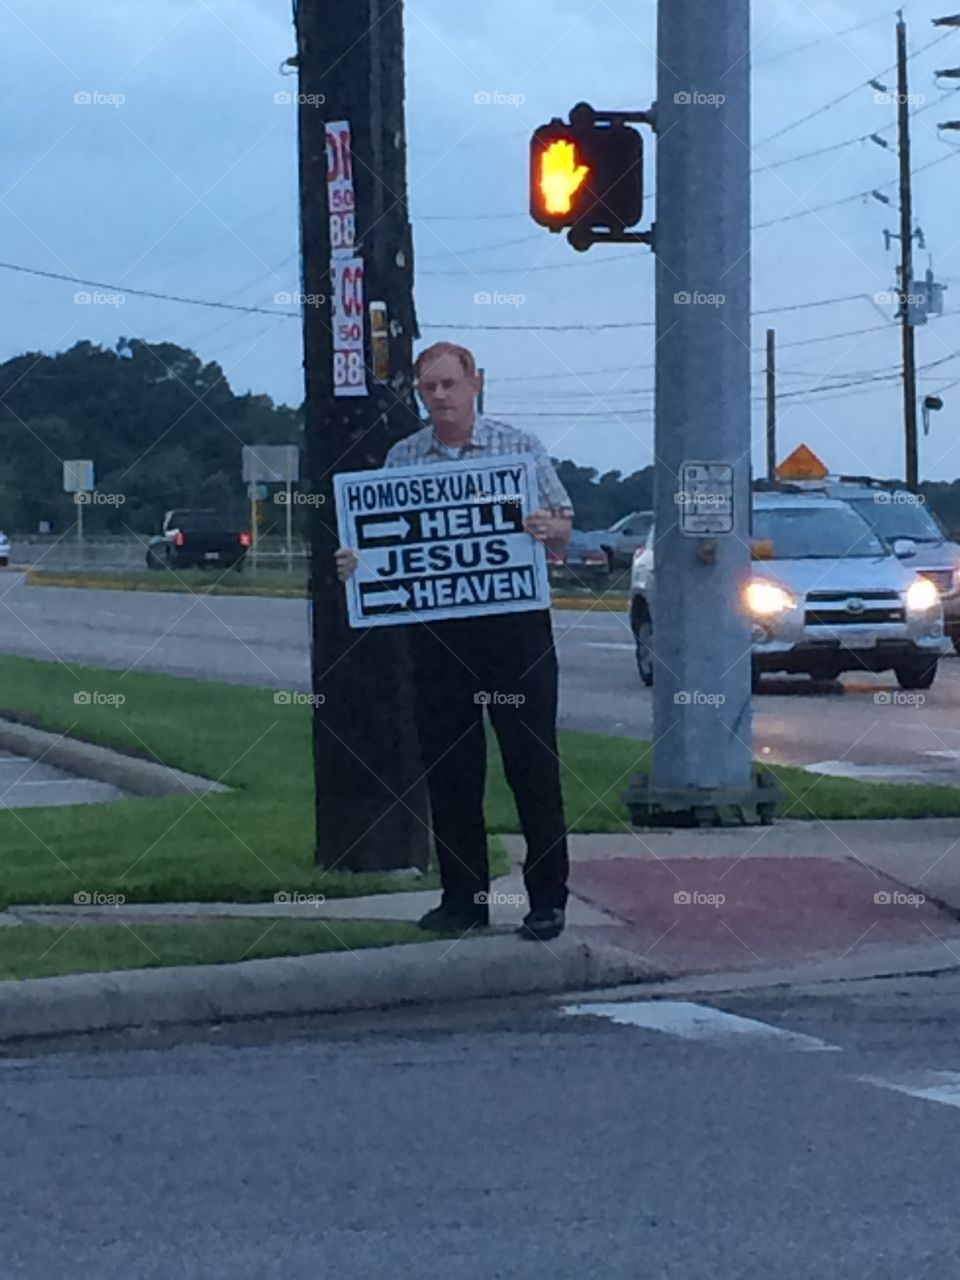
x=148, y=293
x=835, y=35
x=834, y=102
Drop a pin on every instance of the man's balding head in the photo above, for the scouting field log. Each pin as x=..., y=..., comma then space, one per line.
x=449, y=384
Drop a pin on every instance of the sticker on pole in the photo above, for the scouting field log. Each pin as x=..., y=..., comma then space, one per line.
x=340, y=193
x=444, y=541
x=705, y=498
x=349, y=372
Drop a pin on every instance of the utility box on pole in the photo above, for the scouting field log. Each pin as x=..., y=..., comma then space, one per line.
x=702, y=753
x=371, y=807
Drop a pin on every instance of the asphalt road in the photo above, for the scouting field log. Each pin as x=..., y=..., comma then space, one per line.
x=511, y=1141
x=839, y=727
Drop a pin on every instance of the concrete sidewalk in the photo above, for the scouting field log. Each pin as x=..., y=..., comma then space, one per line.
x=750, y=905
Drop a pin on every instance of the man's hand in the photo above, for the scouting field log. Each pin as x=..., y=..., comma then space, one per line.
x=347, y=561
x=551, y=529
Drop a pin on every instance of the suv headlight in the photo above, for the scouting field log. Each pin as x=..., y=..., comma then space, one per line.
x=766, y=599
x=922, y=596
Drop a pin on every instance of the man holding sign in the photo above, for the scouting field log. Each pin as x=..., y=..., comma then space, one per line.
x=501, y=656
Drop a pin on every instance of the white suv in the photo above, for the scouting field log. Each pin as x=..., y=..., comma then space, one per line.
x=828, y=597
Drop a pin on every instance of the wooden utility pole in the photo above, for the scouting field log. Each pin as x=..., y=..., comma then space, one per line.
x=356, y=248
x=906, y=260
x=771, y=404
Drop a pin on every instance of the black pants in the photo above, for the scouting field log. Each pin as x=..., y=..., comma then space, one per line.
x=508, y=665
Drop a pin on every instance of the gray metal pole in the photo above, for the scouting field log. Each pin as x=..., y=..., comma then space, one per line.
x=701, y=636
x=906, y=260
x=771, y=404
x=289, y=527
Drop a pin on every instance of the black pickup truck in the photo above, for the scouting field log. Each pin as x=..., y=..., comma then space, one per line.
x=196, y=539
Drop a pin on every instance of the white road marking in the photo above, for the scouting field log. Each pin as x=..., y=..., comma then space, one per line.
x=930, y=1086
x=609, y=644
x=696, y=1022
x=848, y=769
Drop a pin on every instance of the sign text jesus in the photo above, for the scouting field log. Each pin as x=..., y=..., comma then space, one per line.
x=439, y=542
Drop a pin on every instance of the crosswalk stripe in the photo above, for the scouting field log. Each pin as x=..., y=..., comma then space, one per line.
x=696, y=1022
x=931, y=1086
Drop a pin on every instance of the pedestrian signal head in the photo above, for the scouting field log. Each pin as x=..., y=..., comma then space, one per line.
x=586, y=174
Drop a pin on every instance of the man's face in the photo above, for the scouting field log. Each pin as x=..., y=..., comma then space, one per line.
x=448, y=391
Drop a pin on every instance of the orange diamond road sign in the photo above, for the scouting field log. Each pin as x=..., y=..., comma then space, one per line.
x=802, y=464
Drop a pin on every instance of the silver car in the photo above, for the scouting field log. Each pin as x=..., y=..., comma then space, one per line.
x=902, y=520
x=827, y=596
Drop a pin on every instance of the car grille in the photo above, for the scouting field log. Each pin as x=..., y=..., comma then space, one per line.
x=832, y=609
x=942, y=579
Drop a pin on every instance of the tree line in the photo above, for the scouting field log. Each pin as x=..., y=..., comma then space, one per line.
x=165, y=429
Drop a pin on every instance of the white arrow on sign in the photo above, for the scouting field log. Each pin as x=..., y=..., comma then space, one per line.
x=388, y=529
x=390, y=595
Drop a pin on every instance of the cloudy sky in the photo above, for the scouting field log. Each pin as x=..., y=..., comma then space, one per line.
x=144, y=148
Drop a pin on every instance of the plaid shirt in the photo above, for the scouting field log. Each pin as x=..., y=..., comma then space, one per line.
x=488, y=439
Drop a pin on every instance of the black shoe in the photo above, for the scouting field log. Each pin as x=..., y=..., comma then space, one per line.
x=445, y=919
x=543, y=924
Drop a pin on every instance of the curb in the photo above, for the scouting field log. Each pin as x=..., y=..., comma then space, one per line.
x=140, y=777
x=380, y=978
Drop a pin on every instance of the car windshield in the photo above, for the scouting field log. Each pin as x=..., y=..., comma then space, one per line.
x=897, y=514
x=815, y=533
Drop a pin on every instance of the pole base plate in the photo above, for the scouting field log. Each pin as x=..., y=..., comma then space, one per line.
x=703, y=806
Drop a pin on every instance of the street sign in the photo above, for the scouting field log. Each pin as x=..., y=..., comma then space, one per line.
x=78, y=476
x=802, y=464
x=705, y=498
x=445, y=541
x=271, y=464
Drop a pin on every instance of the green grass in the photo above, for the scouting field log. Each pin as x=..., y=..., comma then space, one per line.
x=258, y=839
x=242, y=846
x=596, y=770
x=264, y=582
x=37, y=951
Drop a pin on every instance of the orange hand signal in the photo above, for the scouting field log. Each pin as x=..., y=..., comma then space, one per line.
x=560, y=176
